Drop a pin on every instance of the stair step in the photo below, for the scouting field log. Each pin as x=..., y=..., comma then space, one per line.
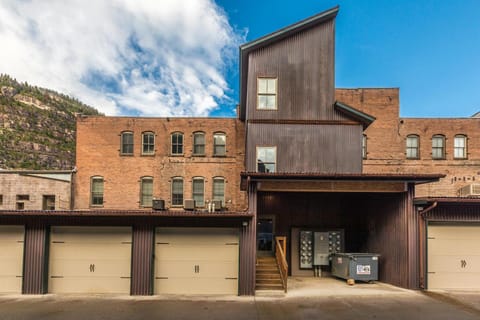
x=269, y=287
x=269, y=282
x=268, y=276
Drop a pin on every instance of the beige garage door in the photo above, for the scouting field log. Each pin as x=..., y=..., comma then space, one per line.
x=196, y=261
x=454, y=257
x=11, y=258
x=90, y=260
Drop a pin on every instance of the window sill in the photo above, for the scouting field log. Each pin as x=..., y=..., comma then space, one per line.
x=219, y=156
x=177, y=155
x=126, y=154
x=199, y=155
x=147, y=154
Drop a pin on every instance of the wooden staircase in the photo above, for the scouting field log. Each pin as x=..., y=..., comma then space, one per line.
x=268, y=275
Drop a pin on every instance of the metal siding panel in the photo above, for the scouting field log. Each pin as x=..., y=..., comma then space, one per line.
x=308, y=148
x=304, y=66
x=142, y=260
x=35, y=257
x=248, y=252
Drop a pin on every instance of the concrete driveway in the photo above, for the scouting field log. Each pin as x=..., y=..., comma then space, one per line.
x=306, y=299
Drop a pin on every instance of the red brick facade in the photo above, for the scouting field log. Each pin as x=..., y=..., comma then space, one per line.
x=98, y=154
x=386, y=142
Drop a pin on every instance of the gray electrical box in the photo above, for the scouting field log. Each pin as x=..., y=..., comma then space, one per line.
x=321, y=252
x=305, y=249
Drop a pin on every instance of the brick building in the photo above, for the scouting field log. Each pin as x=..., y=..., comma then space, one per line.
x=169, y=159
x=304, y=163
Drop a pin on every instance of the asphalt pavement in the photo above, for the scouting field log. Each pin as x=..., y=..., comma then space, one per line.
x=307, y=298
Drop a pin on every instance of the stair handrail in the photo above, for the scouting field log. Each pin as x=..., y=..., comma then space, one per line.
x=280, y=254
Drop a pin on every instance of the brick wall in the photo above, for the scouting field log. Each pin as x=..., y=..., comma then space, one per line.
x=386, y=142
x=98, y=154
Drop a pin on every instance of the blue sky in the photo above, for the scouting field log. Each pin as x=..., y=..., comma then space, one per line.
x=180, y=58
x=429, y=49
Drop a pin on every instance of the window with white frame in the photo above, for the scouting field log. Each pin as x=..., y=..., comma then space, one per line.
x=219, y=144
x=438, y=146
x=146, y=191
x=198, y=191
x=199, y=143
x=412, y=147
x=126, y=147
x=148, y=143
x=364, y=146
x=266, y=159
x=219, y=189
x=177, y=191
x=96, y=189
x=267, y=93
x=177, y=143
x=460, y=146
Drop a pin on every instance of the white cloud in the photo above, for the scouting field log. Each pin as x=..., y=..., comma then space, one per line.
x=146, y=57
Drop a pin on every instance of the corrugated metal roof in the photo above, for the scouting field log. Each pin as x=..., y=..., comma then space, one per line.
x=123, y=213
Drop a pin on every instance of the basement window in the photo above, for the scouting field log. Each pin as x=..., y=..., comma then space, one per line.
x=23, y=197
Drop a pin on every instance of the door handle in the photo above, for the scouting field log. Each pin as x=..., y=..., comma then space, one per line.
x=463, y=263
x=92, y=267
x=197, y=268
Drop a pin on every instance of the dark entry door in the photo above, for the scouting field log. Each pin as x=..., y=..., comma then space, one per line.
x=265, y=243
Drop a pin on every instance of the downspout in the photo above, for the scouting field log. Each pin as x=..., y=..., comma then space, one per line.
x=423, y=242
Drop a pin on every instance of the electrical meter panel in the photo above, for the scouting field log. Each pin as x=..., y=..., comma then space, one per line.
x=335, y=242
x=316, y=247
x=305, y=248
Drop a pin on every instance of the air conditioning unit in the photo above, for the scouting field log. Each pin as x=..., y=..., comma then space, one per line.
x=470, y=190
x=158, y=204
x=189, y=204
x=217, y=204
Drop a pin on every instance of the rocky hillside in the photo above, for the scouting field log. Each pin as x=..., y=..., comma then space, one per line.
x=37, y=126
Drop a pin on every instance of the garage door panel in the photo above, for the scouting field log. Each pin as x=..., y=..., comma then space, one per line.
x=454, y=263
x=196, y=286
x=453, y=257
x=90, y=260
x=196, y=261
x=11, y=258
x=453, y=246
x=102, y=234
x=91, y=268
x=205, y=269
x=77, y=250
x=89, y=285
x=197, y=252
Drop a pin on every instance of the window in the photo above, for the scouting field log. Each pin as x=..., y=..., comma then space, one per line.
x=219, y=144
x=1, y=199
x=177, y=191
x=266, y=159
x=267, y=93
x=460, y=147
x=148, y=143
x=438, y=147
x=146, y=191
x=177, y=143
x=20, y=206
x=199, y=192
x=23, y=197
x=199, y=143
x=48, y=203
x=97, y=191
x=127, y=143
x=413, y=147
x=219, y=189
x=364, y=146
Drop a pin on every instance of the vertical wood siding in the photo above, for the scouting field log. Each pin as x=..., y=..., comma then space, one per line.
x=35, y=259
x=308, y=148
x=142, y=260
x=304, y=67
